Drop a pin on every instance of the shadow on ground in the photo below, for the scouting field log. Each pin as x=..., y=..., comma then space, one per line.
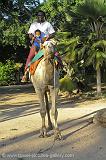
x=66, y=125
x=28, y=88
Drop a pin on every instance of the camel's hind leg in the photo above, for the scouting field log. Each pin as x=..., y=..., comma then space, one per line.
x=54, y=113
x=43, y=132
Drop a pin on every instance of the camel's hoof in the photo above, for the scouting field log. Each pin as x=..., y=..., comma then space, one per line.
x=43, y=133
x=43, y=136
x=57, y=135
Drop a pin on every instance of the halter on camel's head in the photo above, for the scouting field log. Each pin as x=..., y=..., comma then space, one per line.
x=49, y=47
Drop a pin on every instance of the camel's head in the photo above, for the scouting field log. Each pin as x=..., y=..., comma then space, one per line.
x=49, y=47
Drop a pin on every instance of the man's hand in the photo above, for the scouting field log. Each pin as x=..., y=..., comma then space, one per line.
x=50, y=36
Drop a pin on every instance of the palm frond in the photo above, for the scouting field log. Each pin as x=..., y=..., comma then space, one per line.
x=92, y=8
x=99, y=46
x=91, y=58
x=81, y=52
x=98, y=43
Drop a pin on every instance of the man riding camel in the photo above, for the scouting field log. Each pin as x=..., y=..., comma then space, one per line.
x=44, y=28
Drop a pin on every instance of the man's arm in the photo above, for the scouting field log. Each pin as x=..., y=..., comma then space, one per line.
x=50, y=36
x=51, y=31
x=31, y=36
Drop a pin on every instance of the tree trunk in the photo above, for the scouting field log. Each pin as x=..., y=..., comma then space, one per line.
x=98, y=82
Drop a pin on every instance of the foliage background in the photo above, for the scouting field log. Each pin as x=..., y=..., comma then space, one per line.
x=77, y=42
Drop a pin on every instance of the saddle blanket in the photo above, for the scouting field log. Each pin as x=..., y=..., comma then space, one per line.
x=38, y=57
x=34, y=65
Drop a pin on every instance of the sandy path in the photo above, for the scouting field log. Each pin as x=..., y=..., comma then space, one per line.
x=20, y=123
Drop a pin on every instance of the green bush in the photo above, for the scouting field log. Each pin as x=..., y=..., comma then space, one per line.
x=66, y=84
x=7, y=72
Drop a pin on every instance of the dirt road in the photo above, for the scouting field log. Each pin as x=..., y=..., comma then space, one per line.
x=20, y=123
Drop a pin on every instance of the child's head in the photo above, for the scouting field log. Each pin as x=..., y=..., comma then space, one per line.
x=37, y=33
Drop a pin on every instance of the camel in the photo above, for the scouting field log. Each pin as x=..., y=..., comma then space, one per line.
x=46, y=78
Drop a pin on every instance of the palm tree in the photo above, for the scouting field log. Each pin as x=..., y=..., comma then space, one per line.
x=67, y=49
x=95, y=11
x=97, y=55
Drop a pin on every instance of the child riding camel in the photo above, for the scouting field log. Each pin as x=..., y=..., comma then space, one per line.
x=37, y=40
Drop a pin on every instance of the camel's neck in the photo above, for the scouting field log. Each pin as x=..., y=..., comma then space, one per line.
x=48, y=60
x=48, y=63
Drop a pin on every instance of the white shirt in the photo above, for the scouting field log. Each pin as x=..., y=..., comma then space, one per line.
x=44, y=27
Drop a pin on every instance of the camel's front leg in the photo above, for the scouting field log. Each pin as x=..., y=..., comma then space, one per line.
x=43, y=132
x=54, y=113
x=50, y=127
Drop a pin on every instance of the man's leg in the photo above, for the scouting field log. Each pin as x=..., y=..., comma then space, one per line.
x=32, y=53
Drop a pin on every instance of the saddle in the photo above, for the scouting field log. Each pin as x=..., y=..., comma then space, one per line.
x=34, y=65
x=38, y=57
x=35, y=61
